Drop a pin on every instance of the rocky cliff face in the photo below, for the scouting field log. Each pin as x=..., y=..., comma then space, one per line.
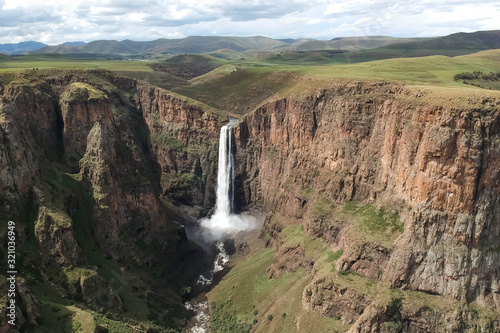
x=87, y=161
x=184, y=140
x=433, y=160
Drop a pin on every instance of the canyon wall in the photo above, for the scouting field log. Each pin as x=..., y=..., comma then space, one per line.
x=184, y=139
x=434, y=161
x=88, y=162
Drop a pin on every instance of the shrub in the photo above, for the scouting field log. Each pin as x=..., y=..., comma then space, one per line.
x=322, y=208
x=184, y=290
x=76, y=326
x=226, y=321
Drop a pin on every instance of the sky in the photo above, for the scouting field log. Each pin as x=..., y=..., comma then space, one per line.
x=57, y=21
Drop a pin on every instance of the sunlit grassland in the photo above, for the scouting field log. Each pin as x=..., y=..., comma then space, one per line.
x=242, y=86
x=431, y=70
x=239, y=86
x=53, y=61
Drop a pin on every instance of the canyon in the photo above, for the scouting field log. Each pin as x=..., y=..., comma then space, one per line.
x=381, y=203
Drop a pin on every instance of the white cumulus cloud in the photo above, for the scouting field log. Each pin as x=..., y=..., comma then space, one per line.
x=55, y=21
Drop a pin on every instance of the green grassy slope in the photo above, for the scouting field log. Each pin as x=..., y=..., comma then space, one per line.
x=432, y=70
x=188, y=66
x=452, y=45
x=247, y=297
x=241, y=85
x=134, y=69
x=56, y=61
x=349, y=43
x=241, y=88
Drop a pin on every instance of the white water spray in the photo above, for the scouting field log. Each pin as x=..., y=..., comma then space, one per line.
x=224, y=222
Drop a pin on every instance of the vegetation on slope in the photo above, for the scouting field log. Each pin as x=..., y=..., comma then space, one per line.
x=138, y=289
x=238, y=86
x=247, y=298
x=244, y=86
x=187, y=66
x=489, y=80
x=363, y=48
x=452, y=45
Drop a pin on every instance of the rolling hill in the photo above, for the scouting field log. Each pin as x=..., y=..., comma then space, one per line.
x=350, y=43
x=209, y=44
x=451, y=45
x=360, y=49
x=192, y=44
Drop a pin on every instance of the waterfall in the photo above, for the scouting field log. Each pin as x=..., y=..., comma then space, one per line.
x=224, y=222
x=225, y=176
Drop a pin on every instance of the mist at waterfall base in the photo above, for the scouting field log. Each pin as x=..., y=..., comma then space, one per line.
x=224, y=223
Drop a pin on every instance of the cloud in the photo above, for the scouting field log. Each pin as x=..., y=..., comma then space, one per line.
x=241, y=11
x=56, y=21
x=36, y=15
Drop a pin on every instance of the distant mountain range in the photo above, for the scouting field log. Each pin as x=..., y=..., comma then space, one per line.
x=23, y=47
x=455, y=44
x=208, y=44
x=20, y=48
